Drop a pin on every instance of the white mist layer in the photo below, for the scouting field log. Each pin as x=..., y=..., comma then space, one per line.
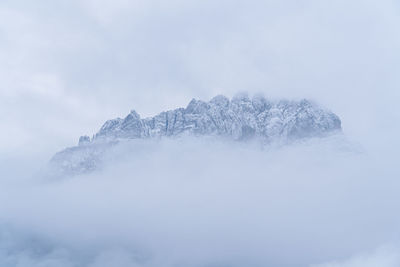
x=200, y=202
x=382, y=257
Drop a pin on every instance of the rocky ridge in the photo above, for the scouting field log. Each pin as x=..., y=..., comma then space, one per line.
x=239, y=118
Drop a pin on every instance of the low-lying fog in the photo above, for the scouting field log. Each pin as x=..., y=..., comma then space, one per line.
x=68, y=66
x=204, y=202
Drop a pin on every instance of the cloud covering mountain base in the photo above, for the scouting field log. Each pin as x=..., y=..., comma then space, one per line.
x=67, y=66
x=202, y=202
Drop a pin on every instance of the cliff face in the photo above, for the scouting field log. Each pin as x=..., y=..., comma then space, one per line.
x=240, y=118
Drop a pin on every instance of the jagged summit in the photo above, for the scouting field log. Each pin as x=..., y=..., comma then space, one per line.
x=240, y=118
x=231, y=118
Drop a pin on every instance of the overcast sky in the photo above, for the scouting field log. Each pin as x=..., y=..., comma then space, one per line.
x=66, y=66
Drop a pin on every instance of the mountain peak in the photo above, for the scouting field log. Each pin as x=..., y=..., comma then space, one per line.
x=240, y=118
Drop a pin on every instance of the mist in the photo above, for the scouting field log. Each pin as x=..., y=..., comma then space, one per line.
x=68, y=66
x=207, y=202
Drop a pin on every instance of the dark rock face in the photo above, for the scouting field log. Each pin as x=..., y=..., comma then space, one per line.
x=84, y=140
x=240, y=118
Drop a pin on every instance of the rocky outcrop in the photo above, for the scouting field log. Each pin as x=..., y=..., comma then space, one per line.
x=240, y=118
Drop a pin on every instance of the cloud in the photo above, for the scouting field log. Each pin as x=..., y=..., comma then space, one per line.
x=108, y=57
x=203, y=202
x=384, y=257
x=67, y=66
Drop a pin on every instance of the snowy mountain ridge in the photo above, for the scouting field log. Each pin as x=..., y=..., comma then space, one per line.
x=239, y=118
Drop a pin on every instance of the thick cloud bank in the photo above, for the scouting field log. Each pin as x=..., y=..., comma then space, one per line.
x=203, y=202
x=382, y=257
x=67, y=66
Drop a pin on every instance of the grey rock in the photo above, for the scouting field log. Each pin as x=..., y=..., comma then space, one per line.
x=240, y=118
x=84, y=140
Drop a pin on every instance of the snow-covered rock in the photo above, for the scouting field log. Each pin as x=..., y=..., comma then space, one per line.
x=240, y=118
